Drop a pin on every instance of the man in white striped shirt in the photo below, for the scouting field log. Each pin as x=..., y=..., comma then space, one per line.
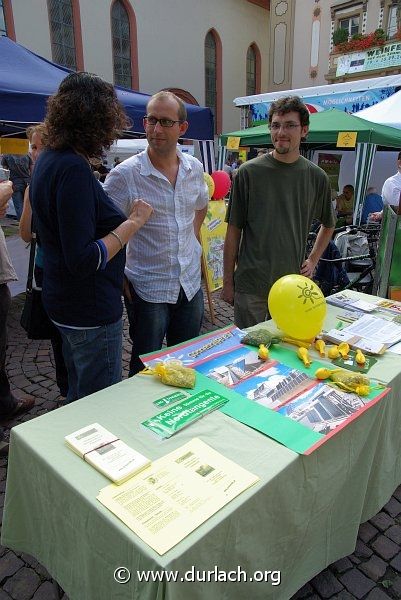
x=162, y=290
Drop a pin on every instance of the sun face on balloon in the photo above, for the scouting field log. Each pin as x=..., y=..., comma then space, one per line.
x=308, y=292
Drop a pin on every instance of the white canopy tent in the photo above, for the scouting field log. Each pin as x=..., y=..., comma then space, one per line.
x=124, y=148
x=386, y=112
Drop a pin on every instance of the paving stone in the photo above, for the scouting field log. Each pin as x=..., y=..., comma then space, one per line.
x=354, y=559
x=396, y=563
x=385, y=548
x=374, y=568
x=393, y=507
x=382, y=521
x=377, y=594
x=343, y=595
x=4, y=595
x=362, y=550
x=356, y=583
x=46, y=591
x=326, y=584
x=342, y=565
x=396, y=587
x=9, y=564
x=397, y=493
x=23, y=584
x=367, y=532
x=394, y=533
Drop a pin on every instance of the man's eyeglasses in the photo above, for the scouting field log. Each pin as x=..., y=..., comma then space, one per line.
x=163, y=122
x=285, y=126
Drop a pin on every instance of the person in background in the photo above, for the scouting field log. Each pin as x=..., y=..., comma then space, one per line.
x=373, y=203
x=20, y=175
x=227, y=167
x=36, y=136
x=273, y=201
x=391, y=192
x=261, y=152
x=345, y=206
x=11, y=403
x=163, y=294
x=235, y=171
x=82, y=233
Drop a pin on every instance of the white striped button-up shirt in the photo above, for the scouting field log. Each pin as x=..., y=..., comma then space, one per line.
x=164, y=254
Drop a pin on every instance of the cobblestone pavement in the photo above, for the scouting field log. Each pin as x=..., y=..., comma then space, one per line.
x=372, y=572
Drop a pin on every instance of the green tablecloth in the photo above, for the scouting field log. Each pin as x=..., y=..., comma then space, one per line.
x=303, y=515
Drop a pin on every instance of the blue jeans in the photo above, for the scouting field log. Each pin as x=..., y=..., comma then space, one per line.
x=150, y=322
x=92, y=357
x=18, y=201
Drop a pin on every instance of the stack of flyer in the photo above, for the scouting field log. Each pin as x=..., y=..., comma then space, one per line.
x=369, y=333
x=108, y=454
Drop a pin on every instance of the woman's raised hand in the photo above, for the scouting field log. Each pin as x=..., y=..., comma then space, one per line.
x=140, y=213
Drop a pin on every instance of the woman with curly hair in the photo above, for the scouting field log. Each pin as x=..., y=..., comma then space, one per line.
x=82, y=232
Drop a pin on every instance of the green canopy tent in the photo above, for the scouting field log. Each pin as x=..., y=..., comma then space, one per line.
x=323, y=133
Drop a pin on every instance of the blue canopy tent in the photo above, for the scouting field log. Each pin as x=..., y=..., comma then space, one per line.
x=27, y=80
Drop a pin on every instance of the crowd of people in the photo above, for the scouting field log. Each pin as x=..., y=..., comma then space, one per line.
x=135, y=235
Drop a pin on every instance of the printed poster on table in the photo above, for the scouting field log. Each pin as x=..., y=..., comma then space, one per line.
x=279, y=397
x=213, y=233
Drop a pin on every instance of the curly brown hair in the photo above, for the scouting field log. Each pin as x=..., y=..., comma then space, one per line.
x=85, y=115
x=290, y=104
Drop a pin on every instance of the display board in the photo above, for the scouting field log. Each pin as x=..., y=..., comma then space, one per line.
x=213, y=232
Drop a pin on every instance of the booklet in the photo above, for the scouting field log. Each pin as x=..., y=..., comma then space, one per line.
x=108, y=454
x=178, y=493
x=342, y=300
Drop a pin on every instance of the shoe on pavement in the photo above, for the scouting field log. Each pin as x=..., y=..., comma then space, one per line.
x=23, y=404
x=4, y=449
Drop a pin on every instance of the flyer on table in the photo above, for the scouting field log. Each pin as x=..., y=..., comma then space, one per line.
x=180, y=491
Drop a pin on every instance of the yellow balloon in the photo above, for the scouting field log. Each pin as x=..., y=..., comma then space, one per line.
x=297, y=306
x=210, y=184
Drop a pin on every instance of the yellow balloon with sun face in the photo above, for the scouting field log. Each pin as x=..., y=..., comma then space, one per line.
x=297, y=306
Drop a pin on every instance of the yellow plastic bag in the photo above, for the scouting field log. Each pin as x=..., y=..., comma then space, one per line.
x=175, y=374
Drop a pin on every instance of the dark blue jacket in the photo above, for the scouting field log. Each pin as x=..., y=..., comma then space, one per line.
x=71, y=211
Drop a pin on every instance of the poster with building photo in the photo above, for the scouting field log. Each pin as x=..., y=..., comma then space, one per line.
x=232, y=367
x=275, y=385
x=323, y=408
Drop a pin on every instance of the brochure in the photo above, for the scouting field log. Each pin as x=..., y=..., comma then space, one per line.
x=108, y=454
x=369, y=333
x=178, y=493
x=198, y=350
x=175, y=418
x=345, y=301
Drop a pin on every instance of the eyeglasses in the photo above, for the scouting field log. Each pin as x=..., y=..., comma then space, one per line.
x=163, y=122
x=285, y=126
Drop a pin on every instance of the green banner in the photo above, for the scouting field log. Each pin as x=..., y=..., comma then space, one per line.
x=168, y=422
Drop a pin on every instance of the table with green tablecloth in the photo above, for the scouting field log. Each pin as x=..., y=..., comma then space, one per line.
x=302, y=515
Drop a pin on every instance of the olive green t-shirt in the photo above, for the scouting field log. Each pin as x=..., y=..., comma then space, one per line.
x=274, y=204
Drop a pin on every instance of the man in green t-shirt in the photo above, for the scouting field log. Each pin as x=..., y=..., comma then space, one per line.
x=274, y=199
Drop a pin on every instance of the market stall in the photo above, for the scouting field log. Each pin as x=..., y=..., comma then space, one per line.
x=332, y=129
x=27, y=80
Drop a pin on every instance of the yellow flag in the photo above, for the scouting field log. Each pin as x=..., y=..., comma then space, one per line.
x=346, y=139
x=233, y=143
